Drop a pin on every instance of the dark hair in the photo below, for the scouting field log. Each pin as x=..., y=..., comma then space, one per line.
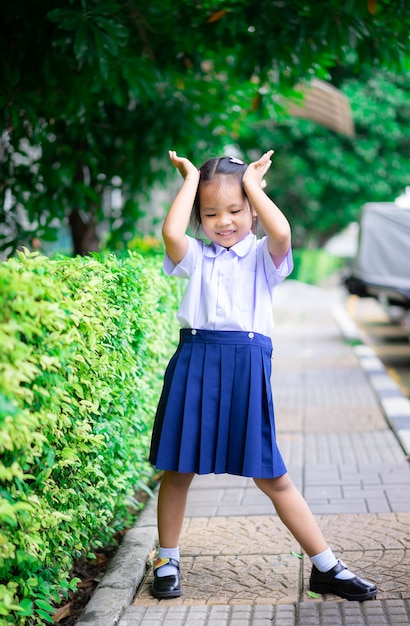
x=211, y=170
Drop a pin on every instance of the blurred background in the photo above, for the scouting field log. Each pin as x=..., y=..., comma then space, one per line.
x=93, y=94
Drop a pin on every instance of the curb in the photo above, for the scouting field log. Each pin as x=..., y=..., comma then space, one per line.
x=116, y=590
x=395, y=405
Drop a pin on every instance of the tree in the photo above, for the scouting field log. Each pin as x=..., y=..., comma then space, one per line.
x=322, y=179
x=95, y=92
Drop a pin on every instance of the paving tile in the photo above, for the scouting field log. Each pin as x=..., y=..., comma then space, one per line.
x=249, y=579
x=310, y=613
x=236, y=536
x=226, y=560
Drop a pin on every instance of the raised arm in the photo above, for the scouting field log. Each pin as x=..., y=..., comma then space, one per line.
x=274, y=223
x=177, y=220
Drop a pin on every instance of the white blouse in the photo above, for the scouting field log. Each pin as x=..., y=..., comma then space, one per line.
x=229, y=289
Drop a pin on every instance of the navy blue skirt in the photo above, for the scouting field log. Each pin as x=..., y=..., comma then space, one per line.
x=215, y=414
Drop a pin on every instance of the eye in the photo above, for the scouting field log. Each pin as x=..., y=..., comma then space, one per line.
x=210, y=215
x=236, y=211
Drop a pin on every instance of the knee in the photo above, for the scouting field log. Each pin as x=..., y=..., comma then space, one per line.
x=178, y=480
x=274, y=485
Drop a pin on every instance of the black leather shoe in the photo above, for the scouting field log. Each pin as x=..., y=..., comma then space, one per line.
x=352, y=589
x=166, y=586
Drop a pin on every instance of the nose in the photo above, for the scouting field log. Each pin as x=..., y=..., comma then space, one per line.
x=224, y=219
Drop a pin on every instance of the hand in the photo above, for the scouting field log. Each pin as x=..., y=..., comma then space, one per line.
x=183, y=165
x=256, y=171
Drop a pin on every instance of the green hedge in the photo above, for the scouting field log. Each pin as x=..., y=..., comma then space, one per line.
x=83, y=347
x=313, y=265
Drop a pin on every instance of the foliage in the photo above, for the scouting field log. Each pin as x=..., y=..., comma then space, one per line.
x=94, y=93
x=313, y=266
x=322, y=179
x=83, y=345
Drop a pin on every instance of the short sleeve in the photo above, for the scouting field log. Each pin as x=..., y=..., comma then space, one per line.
x=276, y=275
x=186, y=266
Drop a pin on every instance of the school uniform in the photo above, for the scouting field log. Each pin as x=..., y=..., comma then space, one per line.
x=215, y=414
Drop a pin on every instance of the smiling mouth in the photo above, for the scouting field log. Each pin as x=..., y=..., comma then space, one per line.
x=226, y=233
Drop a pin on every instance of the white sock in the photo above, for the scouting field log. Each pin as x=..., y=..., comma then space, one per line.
x=168, y=553
x=326, y=560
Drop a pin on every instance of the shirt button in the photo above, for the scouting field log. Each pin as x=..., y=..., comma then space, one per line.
x=251, y=335
x=221, y=312
x=193, y=331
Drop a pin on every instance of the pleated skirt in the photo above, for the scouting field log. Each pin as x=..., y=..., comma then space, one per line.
x=215, y=413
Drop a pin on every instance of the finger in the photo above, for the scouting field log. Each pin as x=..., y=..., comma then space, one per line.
x=263, y=167
x=267, y=156
x=264, y=161
x=268, y=161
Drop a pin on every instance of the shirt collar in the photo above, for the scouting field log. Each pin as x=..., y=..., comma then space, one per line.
x=240, y=249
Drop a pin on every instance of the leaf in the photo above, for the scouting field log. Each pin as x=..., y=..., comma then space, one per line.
x=81, y=42
x=7, y=407
x=215, y=17
x=104, y=8
x=26, y=607
x=298, y=556
x=67, y=18
x=42, y=604
x=46, y=617
x=313, y=594
x=62, y=612
x=372, y=6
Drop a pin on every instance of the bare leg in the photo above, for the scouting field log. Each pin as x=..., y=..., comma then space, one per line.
x=294, y=512
x=171, y=507
x=298, y=518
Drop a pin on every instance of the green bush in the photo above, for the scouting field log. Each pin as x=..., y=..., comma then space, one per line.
x=83, y=347
x=313, y=265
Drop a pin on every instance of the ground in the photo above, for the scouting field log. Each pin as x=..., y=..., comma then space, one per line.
x=90, y=571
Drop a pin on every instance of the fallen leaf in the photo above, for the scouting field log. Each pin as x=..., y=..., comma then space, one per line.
x=298, y=556
x=86, y=583
x=62, y=612
x=152, y=555
x=101, y=558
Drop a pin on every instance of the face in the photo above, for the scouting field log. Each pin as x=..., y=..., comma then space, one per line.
x=226, y=215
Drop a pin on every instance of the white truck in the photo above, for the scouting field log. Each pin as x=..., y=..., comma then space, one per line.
x=381, y=268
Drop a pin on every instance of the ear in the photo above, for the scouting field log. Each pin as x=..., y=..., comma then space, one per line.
x=252, y=210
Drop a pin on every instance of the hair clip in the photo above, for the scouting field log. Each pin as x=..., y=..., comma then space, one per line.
x=235, y=160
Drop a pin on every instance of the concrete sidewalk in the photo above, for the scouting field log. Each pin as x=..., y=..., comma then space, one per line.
x=343, y=429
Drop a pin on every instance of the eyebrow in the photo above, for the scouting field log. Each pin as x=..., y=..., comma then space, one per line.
x=230, y=206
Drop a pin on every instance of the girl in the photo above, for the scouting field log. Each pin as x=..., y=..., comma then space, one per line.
x=215, y=413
